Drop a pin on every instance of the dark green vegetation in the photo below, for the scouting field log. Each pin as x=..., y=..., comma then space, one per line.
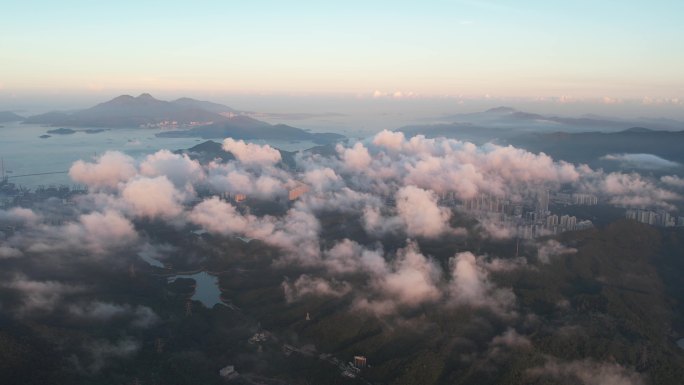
x=618, y=299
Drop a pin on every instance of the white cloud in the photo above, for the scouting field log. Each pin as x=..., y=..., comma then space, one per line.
x=252, y=154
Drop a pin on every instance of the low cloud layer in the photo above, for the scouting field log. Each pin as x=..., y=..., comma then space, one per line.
x=642, y=161
x=586, y=372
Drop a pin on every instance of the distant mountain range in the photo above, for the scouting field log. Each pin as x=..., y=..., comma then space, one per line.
x=129, y=111
x=9, y=116
x=195, y=118
x=590, y=147
x=246, y=128
x=504, y=122
x=507, y=117
x=579, y=140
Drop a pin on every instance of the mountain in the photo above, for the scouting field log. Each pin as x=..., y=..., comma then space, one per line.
x=507, y=117
x=129, y=111
x=9, y=116
x=590, y=147
x=461, y=131
x=207, y=151
x=246, y=128
x=202, y=105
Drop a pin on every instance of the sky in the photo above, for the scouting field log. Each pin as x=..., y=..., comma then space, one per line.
x=622, y=49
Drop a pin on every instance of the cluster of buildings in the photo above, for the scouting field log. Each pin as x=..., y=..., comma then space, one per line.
x=172, y=124
x=655, y=218
x=347, y=369
x=529, y=217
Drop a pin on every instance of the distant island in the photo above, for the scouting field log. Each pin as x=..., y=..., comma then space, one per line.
x=9, y=116
x=62, y=131
x=141, y=111
x=186, y=117
x=246, y=128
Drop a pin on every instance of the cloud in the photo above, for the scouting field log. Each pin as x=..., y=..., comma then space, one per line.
x=586, y=372
x=673, y=181
x=9, y=252
x=310, y=286
x=349, y=257
x=102, y=351
x=19, y=216
x=389, y=139
x=153, y=197
x=420, y=213
x=107, y=171
x=471, y=285
x=552, y=248
x=296, y=232
x=139, y=316
x=411, y=279
x=252, y=154
x=96, y=233
x=40, y=296
x=356, y=158
x=219, y=217
x=179, y=169
x=628, y=190
x=643, y=161
x=511, y=338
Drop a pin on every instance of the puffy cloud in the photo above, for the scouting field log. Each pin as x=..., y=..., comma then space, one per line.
x=322, y=179
x=355, y=158
x=252, y=154
x=233, y=179
x=470, y=285
x=102, y=231
x=107, y=171
x=310, y=286
x=586, y=372
x=296, y=232
x=219, y=217
x=412, y=278
x=95, y=232
x=389, y=140
x=643, y=161
x=153, y=197
x=630, y=190
x=9, y=252
x=420, y=213
x=40, y=296
x=511, y=338
x=673, y=180
x=552, y=248
x=348, y=256
x=179, y=169
x=375, y=223
x=17, y=216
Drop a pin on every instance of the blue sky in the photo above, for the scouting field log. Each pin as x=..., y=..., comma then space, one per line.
x=622, y=49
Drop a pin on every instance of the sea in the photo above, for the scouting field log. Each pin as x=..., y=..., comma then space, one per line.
x=25, y=153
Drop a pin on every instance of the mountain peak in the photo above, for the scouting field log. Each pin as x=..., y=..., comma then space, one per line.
x=145, y=96
x=501, y=110
x=122, y=98
x=638, y=129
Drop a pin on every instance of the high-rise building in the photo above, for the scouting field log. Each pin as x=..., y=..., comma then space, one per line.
x=360, y=362
x=543, y=201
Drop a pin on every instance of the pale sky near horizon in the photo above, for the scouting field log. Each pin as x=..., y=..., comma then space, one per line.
x=527, y=48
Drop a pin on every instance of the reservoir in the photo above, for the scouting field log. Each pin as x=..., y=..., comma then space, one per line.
x=207, y=289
